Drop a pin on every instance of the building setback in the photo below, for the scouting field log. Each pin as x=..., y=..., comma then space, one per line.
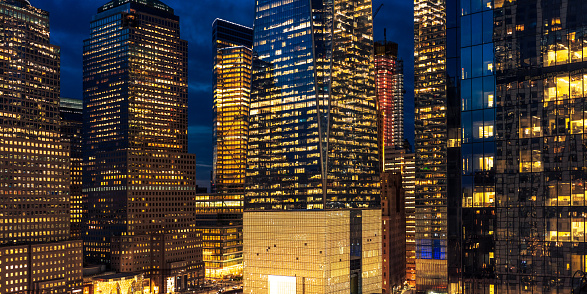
x=35, y=251
x=138, y=177
x=313, y=150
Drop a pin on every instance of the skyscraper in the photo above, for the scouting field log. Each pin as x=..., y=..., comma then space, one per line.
x=394, y=149
x=71, y=132
x=437, y=195
x=389, y=83
x=220, y=217
x=233, y=61
x=518, y=67
x=138, y=177
x=34, y=165
x=523, y=77
x=313, y=150
x=477, y=77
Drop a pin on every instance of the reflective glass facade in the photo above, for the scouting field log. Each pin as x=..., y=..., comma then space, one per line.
x=478, y=103
x=437, y=195
x=313, y=148
x=313, y=117
x=232, y=92
x=540, y=149
x=519, y=68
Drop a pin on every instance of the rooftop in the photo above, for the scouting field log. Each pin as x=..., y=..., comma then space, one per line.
x=19, y=3
x=150, y=3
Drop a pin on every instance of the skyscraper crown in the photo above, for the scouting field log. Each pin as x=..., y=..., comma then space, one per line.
x=151, y=3
x=20, y=3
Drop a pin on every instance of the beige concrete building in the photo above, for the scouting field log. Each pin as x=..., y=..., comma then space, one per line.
x=312, y=251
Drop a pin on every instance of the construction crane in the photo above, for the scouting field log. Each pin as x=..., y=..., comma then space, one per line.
x=377, y=11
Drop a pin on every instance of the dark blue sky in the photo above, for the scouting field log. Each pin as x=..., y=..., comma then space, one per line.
x=70, y=20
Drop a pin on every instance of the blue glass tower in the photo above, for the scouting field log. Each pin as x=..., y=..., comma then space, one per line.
x=313, y=123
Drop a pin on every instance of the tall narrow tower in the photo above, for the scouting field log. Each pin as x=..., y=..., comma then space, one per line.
x=138, y=175
x=312, y=186
x=437, y=148
x=389, y=83
x=233, y=62
x=71, y=132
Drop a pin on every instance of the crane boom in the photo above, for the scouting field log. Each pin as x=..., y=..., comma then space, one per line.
x=377, y=11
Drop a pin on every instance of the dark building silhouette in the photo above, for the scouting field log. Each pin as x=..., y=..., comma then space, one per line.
x=71, y=132
x=393, y=205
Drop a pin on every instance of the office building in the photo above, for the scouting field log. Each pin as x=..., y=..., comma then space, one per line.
x=233, y=61
x=220, y=215
x=522, y=91
x=138, y=176
x=437, y=117
x=221, y=225
x=518, y=66
x=480, y=213
x=71, y=132
x=219, y=218
x=35, y=251
x=313, y=151
x=389, y=84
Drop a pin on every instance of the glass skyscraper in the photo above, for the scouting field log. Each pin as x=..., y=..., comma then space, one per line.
x=313, y=150
x=518, y=70
x=138, y=177
x=389, y=83
x=313, y=123
x=437, y=159
x=233, y=60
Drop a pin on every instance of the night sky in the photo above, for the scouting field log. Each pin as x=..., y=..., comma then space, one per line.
x=70, y=21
